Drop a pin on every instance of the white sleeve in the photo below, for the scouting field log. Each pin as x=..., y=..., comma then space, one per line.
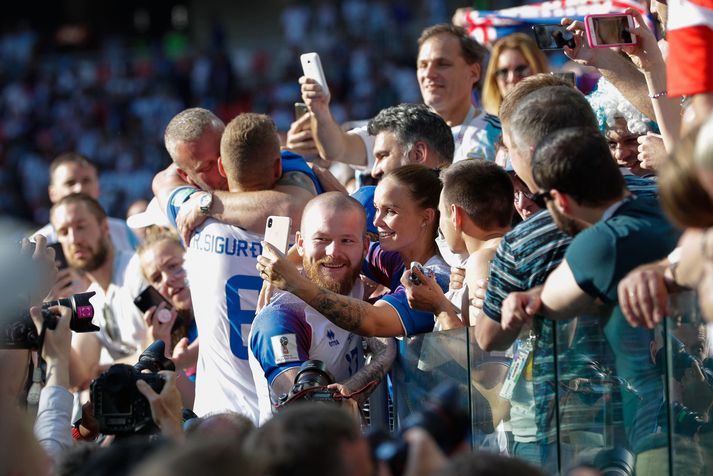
x=53, y=425
x=369, y=144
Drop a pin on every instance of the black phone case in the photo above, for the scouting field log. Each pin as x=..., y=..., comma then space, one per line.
x=150, y=297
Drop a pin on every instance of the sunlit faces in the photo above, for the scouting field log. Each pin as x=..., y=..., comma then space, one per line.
x=389, y=154
x=447, y=227
x=399, y=219
x=84, y=239
x=624, y=147
x=71, y=178
x=332, y=243
x=511, y=69
x=445, y=79
x=199, y=161
x=162, y=265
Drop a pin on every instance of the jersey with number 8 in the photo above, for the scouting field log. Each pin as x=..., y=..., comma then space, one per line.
x=224, y=283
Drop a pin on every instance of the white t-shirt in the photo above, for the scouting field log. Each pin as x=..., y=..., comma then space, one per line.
x=224, y=283
x=288, y=332
x=121, y=235
x=118, y=303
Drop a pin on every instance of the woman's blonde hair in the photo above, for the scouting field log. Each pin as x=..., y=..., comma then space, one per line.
x=529, y=50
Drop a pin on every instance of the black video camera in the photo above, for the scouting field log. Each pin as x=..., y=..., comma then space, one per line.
x=118, y=405
x=22, y=333
x=310, y=385
x=443, y=417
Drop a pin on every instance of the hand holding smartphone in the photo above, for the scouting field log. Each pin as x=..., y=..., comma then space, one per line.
x=277, y=232
x=609, y=30
x=312, y=68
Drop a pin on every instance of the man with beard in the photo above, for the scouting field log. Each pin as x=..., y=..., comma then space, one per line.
x=332, y=242
x=614, y=232
x=82, y=229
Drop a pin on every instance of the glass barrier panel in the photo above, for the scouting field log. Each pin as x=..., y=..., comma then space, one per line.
x=687, y=357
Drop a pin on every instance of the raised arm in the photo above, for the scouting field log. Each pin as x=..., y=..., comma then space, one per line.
x=331, y=141
x=617, y=69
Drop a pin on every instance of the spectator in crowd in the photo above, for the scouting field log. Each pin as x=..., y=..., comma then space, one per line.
x=409, y=134
x=513, y=58
x=161, y=260
x=161, y=256
x=527, y=254
x=287, y=332
x=448, y=69
x=220, y=262
x=70, y=173
x=587, y=197
x=622, y=124
x=406, y=202
x=475, y=209
x=310, y=439
x=83, y=231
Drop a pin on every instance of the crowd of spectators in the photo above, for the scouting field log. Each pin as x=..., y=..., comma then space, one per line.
x=110, y=100
x=538, y=257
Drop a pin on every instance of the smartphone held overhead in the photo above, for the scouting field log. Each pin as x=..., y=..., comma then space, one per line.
x=312, y=68
x=609, y=30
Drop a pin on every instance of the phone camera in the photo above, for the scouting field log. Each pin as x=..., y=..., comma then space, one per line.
x=269, y=222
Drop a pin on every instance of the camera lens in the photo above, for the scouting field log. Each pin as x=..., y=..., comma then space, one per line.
x=269, y=222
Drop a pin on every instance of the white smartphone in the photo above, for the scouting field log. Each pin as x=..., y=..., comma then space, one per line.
x=609, y=30
x=312, y=68
x=277, y=232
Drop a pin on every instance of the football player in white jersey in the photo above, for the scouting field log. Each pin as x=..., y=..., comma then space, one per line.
x=287, y=332
x=220, y=261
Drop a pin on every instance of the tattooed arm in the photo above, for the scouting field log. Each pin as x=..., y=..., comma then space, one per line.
x=381, y=353
x=354, y=315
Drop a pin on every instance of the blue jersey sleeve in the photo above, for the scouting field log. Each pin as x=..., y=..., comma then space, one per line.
x=414, y=321
x=279, y=340
x=177, y=198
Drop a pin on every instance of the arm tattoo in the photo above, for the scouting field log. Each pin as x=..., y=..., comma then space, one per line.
x=344, y=311
x=381, y=353
x=297, y=179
